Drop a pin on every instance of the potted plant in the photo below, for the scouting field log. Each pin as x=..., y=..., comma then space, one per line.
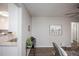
x=28, y=43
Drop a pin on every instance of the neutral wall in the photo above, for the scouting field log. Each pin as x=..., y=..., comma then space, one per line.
x=19, y=24
x=4, y=23
x=26, y=21
x=40, y=30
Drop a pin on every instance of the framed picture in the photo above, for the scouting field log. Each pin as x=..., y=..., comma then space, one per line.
x=55, y=29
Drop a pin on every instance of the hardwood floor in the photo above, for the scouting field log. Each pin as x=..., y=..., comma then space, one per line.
x=41, y=52
x=51, y=52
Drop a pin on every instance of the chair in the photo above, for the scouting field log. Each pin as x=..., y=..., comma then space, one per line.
x=58, y=50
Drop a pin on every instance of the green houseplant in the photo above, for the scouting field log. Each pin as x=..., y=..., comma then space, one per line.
x=28, y=43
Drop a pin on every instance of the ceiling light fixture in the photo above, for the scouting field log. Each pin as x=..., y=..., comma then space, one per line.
x=4, y=13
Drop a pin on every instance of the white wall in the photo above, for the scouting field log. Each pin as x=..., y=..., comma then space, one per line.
x=40, y=30
x=26, y=20
x=4, y=23
x=19, y=24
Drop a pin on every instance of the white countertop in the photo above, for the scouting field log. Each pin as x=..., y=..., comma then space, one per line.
x=8, y=43
x=5, y=40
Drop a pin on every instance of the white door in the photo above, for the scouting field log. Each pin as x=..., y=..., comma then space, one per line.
x=75, y=31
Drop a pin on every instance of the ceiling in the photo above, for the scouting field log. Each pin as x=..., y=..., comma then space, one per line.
x=49, y=9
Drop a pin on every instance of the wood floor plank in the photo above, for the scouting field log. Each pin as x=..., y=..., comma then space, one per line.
x=47, y=51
